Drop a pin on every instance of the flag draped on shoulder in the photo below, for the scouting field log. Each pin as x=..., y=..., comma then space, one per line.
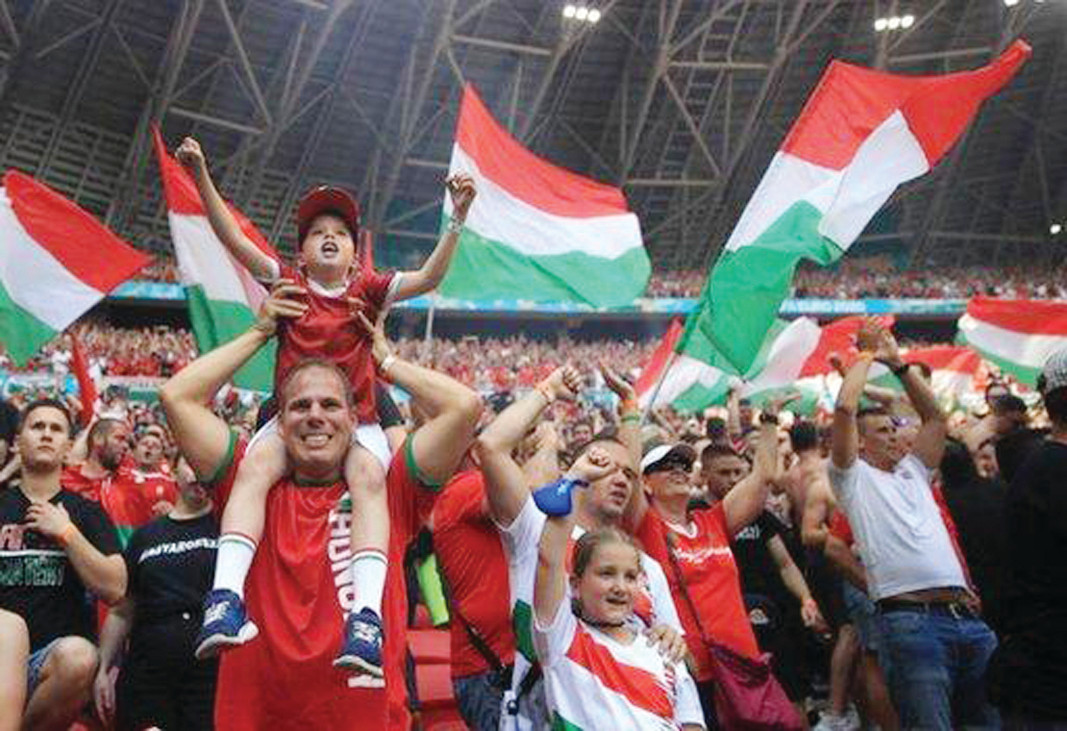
x=223, y=296
x=861, y=134
x=1016, y=335
x=56, y=262
x=537, y=232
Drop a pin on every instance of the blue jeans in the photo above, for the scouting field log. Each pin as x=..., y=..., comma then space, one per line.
x=935, y=667
x=34, y=666
x=479, y=701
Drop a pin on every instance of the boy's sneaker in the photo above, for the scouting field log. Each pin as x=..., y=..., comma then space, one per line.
x=830, y=721
x=362, y=648
x=226, y=624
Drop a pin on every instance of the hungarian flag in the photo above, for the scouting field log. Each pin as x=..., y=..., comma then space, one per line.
x=56, y=262
x=954, y=371
x=536, y=231
x=223, y=296
x=1016, y=335
x=861, y=134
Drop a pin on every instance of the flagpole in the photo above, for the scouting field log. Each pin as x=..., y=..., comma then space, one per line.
x=659, y=385
x=428, y=336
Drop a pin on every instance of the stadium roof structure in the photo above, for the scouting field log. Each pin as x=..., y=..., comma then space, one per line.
x=681, y=102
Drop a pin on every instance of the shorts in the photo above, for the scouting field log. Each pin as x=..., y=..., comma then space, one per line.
x=825, y=584
x=864, y=616
x=369, y=436
x=775, y=636
x=35, y=665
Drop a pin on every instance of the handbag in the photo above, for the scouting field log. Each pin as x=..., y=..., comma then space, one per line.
x=747, y=695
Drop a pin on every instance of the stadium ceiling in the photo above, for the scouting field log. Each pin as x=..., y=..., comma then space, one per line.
x=681, y=102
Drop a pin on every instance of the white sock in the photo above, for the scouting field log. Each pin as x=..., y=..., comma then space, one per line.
x=368, y=577
x=232, y=562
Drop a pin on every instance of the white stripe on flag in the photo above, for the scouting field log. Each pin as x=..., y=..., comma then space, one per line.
x=1027, y=349
x=35, y=280
x=684, y=373
x=501, y=217
x=789, y=351
x=203, y=260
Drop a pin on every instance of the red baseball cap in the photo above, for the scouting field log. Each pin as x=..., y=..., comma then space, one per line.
x=326, y=199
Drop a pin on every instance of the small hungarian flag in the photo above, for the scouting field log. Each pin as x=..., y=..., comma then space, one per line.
x=861, y=134
x=56, y=262
x=223, y=296
x=1016, y=335
x=536, y=231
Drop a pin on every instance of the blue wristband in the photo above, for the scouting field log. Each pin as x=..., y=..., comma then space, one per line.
x=554, y=499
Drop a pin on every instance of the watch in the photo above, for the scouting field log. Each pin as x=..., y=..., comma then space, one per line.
x=900, y=370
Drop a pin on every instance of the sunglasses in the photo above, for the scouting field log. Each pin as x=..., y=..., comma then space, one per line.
x=670, y=464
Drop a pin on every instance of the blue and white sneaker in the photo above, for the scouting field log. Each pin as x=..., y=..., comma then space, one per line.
x=226, y=624
x=362, y=648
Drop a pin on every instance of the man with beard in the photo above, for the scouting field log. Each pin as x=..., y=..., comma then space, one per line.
x=108, y=443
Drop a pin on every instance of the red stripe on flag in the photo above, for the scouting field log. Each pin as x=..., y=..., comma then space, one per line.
x=184, y=198
x=85, y=247
x=1028, y=317
x=525, y=175
x=837, y=337
x=946, y=358
x=79, y=365
x=641, y=688
x=850, y=101
x=660, y=358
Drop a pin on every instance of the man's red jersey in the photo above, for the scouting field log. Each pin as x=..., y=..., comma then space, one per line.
x=298, y=592
x=329, y=330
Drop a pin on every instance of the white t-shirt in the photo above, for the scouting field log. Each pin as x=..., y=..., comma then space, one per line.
x=593, y=681
x=898, y=527
x=521, y=541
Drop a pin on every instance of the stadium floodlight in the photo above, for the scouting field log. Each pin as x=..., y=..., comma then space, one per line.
x=881, y=24
x=1055, y=229
x=569, y=11
x=1011, y=3
x=893, y=23
x=582, y=13
x=594, y=16
x=907, y=21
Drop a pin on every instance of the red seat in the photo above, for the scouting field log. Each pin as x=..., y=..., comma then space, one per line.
x=438, y=711
x=430, y=646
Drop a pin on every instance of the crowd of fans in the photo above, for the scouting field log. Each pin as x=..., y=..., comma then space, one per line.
x=879, y=278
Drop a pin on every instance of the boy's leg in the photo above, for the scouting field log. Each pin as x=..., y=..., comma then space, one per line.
x=369, y=536
x=225, y=620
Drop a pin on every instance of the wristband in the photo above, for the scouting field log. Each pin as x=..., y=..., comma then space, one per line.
x=632, y=418
x=64, y=537
x=455, y=226
x=387, y=363
x=628, y=404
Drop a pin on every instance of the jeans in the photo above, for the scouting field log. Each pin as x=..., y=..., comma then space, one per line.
x=479, y=701
x=935, y=667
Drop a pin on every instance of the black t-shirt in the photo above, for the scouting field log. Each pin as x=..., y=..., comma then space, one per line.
x=37, y=580
x=1030, y=673
x=9, y=419
x=170, y=564
x=759, y=572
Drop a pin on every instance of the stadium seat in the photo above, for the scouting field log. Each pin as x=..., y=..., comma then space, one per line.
x=438, y=711
x=429, y=646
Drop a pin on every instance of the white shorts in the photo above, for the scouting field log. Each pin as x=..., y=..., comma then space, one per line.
x=369, y=436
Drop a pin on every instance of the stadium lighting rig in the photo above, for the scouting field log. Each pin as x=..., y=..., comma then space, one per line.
x=581, y=13
x=894, y=22
x=1055, y=228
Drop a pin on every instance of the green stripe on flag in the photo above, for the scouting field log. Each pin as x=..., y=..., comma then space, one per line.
x=216, y=322
x=559, y=723
x=747, y=287
x=1022, y=373
x=522, y=624
x=484, y=269
x=698, y=397
x=21, y=334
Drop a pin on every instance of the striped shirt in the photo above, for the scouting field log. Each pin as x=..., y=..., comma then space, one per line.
x=594, y=681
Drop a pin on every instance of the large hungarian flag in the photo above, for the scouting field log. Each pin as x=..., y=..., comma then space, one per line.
x=223, y=297
x=56, y=262
x=536, y=231
x=861, y=134
x=1016, y=335
x=955, y=371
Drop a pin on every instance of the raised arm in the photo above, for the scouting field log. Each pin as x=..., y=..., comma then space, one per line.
x=462, y=190
x=506, y=485
x=844, y=432
x=453, y=410
x=222, y=220
x=550, y=585
x=746, y=500
x=930, y=441
x=201, y=435
x=630, y=436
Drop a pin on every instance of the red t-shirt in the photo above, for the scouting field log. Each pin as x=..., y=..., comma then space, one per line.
x=127, y=495
x=471, y=558
x=711, y=577
x=298, y=593
x=329, y=330
x=75, y=481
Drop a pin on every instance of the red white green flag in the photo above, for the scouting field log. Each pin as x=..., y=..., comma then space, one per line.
x=1016, y=335
x=861, y=134
x=56, y=262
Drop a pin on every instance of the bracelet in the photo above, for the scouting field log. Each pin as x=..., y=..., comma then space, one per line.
x=387, y=363
x=628, y=404
x=64, y=537
x=900, y=370
x=541, y=389
x=631, y=418
x=455, y=226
